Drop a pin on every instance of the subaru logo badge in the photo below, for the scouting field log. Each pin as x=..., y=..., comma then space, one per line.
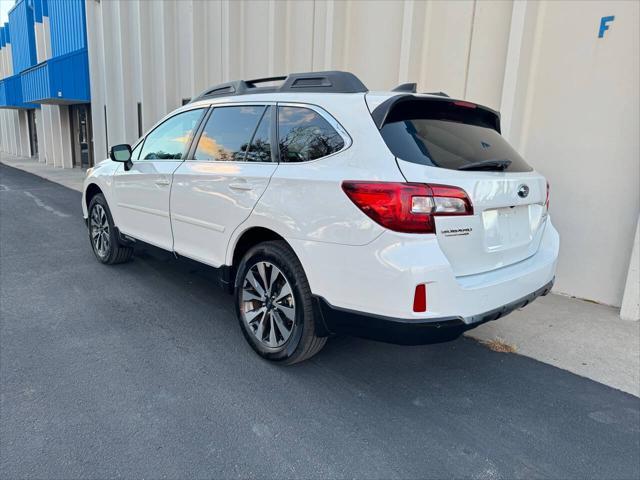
x=523, y=191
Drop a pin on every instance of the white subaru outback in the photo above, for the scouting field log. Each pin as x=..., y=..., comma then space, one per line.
x=395, y=216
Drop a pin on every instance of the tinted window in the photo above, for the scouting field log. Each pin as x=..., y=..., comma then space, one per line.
x=136, y=151
x=305, y=135
x=440, y=138
x=228, y=132
x=169, y=140
x=260, y=148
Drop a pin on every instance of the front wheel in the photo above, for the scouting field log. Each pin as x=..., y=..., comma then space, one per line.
x=274, y=304
x=102, y=234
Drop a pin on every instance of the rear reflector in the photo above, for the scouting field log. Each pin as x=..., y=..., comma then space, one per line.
x=420, y=298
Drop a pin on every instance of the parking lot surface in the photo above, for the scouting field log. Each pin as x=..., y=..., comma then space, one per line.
x=140, y=370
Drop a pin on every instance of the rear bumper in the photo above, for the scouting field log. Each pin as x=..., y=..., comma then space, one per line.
x=379, y=279
x=411, y=331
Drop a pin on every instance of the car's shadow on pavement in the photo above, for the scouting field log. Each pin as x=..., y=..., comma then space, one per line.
x=513, y=415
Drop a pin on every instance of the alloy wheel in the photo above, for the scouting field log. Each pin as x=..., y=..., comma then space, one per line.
x=267, y=304
x=100, y=233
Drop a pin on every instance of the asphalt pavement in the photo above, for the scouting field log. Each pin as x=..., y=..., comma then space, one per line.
x=140, y=370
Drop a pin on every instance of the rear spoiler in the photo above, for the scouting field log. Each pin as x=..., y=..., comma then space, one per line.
x=454, y=110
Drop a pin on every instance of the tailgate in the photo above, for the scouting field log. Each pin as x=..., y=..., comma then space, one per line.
x=505, y=228
x=458, y=143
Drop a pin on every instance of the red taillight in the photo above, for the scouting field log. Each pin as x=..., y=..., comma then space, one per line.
x=407, y=207
x=420, y=298
x=546, y=203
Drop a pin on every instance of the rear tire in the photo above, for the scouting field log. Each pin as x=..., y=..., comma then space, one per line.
x=103, y=235
x=274, y=304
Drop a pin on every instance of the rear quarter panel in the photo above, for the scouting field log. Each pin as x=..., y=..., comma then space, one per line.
x=304, y=201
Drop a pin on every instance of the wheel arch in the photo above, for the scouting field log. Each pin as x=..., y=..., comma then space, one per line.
x=240, y=244
x=91, y=191
x=247, y=239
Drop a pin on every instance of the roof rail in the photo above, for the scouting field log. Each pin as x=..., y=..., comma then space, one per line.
x=329, y=82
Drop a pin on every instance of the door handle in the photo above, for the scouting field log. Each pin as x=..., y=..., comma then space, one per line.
x=162, y=182
x=241, y=186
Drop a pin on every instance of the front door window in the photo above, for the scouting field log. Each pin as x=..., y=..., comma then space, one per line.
x=169, y=140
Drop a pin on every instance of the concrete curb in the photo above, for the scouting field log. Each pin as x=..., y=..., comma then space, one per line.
x=585, y=338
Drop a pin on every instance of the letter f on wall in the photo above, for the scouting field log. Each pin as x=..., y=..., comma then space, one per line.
x=603, y=25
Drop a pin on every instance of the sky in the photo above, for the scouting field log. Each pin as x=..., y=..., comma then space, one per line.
x=5, y=6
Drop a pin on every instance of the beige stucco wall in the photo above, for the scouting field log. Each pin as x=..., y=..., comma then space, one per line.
x=580, y=128
x=569, y=100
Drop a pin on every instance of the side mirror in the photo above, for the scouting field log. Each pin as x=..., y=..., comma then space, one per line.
x=120, y=153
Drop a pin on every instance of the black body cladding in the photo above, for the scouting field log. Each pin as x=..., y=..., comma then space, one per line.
x=409, y=332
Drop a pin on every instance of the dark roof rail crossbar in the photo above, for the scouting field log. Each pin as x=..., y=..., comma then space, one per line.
x=252, y=83
x=406, y=87
x=324, y=82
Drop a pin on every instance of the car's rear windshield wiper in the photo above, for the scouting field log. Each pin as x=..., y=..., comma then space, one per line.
x=499, y=165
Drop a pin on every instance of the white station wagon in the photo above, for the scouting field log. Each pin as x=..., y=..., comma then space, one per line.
x=395, y=216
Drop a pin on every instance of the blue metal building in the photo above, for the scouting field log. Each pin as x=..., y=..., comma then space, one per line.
x=44, y=79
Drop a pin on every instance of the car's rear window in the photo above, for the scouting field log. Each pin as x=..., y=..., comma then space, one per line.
x=435, y=139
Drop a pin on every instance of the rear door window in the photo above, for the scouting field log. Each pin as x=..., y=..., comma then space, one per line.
x=447, y=141
x=305, y=135
x=228, y=133
x=260, y=146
